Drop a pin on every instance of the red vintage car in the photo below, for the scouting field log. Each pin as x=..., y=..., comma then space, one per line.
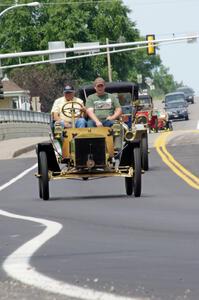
x=146, y=114
x=163, y=120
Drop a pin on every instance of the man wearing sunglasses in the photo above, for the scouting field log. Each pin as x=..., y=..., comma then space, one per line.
x=59, y=117
x=102, y=108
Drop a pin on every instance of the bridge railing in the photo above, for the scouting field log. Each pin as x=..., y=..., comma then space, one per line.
x=16, y=115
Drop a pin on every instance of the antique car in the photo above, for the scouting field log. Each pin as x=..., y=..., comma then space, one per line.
x=164, y=123
x=146, y=114
x=84, y=153
x=127, y=93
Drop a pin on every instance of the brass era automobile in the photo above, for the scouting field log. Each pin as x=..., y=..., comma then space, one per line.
x=145, y=113
x=84, y=153
x=127, y=92
x=155, y=119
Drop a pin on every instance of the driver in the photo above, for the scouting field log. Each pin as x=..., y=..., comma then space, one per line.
x=60, y=118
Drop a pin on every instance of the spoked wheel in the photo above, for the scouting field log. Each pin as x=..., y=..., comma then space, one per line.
x=129, y=185
x=137, y=178
x=43, y=179
x=144, y=152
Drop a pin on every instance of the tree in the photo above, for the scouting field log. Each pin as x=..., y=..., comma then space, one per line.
x=73, y=22
x=164, y=81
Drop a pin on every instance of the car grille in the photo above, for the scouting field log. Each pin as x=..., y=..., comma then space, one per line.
x=90, y=149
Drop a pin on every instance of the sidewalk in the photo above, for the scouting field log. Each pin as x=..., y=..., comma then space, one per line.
x=15, y=147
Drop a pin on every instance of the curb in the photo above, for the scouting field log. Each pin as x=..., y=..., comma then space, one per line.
x=23, y=150
x=26, y=149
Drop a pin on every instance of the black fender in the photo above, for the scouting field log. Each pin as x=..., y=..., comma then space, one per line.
x=50, y=153
x=127, y=157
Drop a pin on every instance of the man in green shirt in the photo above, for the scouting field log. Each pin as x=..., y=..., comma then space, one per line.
x=102, y=108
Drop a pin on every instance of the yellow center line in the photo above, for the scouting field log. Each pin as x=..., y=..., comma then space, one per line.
x=173, y=164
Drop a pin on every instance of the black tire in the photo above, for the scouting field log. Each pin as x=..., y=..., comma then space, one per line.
x=39, y=180
x=43, y=179
x=156, y=125
x=129, y=182
x=137, y=178
x=170, y=126
x=144, y=152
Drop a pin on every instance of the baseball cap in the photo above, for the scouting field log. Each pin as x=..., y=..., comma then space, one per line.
x=69, y=89
x=99, y=80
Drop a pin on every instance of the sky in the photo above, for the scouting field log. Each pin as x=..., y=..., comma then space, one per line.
x=165, y=18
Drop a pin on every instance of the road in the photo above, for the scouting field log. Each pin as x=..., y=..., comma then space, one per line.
x=98, y=239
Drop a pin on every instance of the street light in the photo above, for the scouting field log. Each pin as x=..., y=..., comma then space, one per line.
x=32, y=4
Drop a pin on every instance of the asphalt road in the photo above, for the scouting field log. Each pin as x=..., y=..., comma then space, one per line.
x=132, y=247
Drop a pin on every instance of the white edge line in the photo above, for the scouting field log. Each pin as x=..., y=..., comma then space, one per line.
x=21, y=175
x=18, y=267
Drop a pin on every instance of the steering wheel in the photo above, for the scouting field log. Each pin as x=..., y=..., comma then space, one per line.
x=72, y=109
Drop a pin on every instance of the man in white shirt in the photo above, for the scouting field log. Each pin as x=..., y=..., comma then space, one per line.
x=60, y=118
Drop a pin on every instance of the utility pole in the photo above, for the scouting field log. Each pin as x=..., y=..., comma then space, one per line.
x=109, y=62
x=1, y=71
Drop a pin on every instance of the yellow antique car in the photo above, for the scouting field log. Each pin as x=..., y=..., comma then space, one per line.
x=84, y=153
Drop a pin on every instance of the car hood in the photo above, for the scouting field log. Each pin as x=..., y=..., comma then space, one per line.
x=176, y=109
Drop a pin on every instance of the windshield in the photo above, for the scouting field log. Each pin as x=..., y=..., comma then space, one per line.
x=174, y=97
x=175, y=104
x=124, y=98
x=145, y=101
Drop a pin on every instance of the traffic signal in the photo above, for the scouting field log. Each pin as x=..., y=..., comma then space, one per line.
x=1, y=90
x=151, y=46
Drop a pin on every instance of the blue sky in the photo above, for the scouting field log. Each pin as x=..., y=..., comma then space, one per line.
x=165, y=18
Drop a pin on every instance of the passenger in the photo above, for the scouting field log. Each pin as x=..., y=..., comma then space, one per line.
x=60, y=118
x=102, y=108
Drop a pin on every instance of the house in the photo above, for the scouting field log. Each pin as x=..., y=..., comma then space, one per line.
x=14, y=96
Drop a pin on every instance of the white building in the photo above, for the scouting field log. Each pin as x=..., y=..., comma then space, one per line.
x=14, y=96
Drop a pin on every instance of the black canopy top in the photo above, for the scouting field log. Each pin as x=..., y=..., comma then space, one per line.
x=111, y=87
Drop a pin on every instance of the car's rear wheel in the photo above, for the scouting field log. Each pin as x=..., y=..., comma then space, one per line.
x=129, y=183
x=156, y=125
x=137, y=178
x=144, y=152
x=43, y=179
x=170, y=125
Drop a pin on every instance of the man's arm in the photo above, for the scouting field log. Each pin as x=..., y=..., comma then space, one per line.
x=117, y=113
x=92, y=116
x=56, y=116
x=118, y=109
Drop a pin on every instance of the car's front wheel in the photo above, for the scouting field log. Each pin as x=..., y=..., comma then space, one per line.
x=43, y=179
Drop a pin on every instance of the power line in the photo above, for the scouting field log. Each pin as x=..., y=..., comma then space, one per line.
x=70, y=2
x=154, y=2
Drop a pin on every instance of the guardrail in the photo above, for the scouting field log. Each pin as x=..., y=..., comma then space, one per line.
x=16, y=115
